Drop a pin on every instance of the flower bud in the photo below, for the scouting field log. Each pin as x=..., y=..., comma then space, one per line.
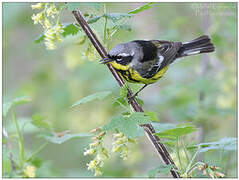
x=116, y=149
x=94, y=144
x=95, y=130
x=38, y=6
x=219, y=174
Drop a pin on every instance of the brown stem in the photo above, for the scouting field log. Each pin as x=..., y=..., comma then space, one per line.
x=148, y=128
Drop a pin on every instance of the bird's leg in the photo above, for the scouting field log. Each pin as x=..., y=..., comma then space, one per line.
x=135, y=94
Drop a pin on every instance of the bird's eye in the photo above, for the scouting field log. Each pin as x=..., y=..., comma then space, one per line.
x=119, y=58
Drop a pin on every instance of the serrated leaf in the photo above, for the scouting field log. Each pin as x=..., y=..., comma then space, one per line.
x=116, y=16
x=70, y=29
x=129, y=125
x=39, y=121
x=227, y=143
x=177, y=131
x=164, y=169
x=94, y=19
x=96, y=96
x=120, y=102
x=39, y=39
x=17, y=101
x=153, y=115
x=54, y=138
x=142, y=8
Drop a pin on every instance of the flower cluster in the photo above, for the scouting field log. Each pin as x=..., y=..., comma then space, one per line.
x=212, y=171
x=120, y=145
x=29, y=171
x=97, y=148
x=46, y=17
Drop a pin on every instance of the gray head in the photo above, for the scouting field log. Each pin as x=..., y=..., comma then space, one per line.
x=121, y=53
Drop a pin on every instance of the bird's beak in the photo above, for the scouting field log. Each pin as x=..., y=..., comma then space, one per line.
x=105, y=60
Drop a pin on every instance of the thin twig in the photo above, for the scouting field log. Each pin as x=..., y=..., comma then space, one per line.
x=148, y=128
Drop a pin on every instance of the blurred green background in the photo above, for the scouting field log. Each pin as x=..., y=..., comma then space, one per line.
x=199, y=89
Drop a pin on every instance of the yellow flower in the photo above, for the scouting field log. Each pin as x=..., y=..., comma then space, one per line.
x=50, y=44
x=94, y=144
x=51, y=11
x=89, y=152
x=38, y=6
x=37, y=18
x=118, y=135
x=116, y=149
x=92, y=165
x=30, y=171
x=98, y=172
x=47, y=23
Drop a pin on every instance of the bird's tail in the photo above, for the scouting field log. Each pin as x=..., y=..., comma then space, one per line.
x=200, y=45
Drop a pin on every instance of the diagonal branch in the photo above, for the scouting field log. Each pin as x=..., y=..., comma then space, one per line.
x=148, y=128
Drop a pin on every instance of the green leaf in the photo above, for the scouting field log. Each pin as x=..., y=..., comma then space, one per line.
x=129, y=125
x=161, y=127
x=121, y=101
x=54, y=138
x=177, y=131
x=39, y=39
x=70, y=29
x=73, y=6
x=124, y=90
x=17, y=101
x=39, y=121
x=76, y=5
x=123, y=27
x=227, y=143
x=140, y=101
x=164, y=169
x=116, y=16
x=153, y=115
x=37, y=162
x=142, y=8
x=94, y=19
x=96, y=96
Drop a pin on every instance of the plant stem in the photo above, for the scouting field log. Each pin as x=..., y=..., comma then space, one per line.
x=190, y=164
x=21, y=140
x=178, y=154
x=148, y=128
x=185, y=151
x=37, y=151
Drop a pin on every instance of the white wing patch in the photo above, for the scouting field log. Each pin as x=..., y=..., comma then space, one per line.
x=191, y=53
x=124, y=54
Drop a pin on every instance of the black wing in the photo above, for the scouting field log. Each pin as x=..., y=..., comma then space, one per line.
x=166, y=55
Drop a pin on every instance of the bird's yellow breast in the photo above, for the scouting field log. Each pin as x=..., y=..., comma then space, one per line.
x=133, y=76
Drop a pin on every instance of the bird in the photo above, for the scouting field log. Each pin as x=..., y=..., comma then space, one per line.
x=146, y=61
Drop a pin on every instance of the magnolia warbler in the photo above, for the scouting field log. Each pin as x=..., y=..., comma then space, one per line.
x=146, y=62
